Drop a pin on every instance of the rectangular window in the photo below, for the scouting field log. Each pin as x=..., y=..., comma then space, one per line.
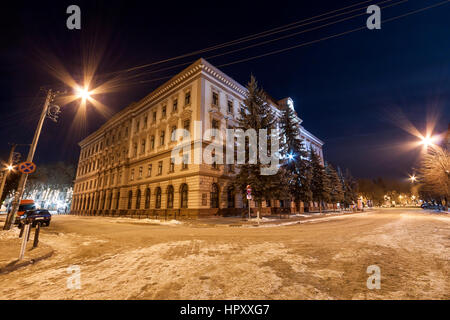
x=152, y=142
x=137, y=126
x=163, y=112
x=230, y=106
x=163, y=134
x=173, y=134
x=215, y=98
x=135, y=149
x=187, y=127
x=143, y=146
x=160, y=168
x=175, y=105
x=187, y=98
x=154, y=116
x=145, y=122
x=132, y=175
x=140, y=172
x=172, y=165
x=185, y=162
x=149, y=170
x=112, y=179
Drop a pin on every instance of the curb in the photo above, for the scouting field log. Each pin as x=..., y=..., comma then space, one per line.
x=13, y=266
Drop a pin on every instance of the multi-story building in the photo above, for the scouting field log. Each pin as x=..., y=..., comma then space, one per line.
x=126, y=167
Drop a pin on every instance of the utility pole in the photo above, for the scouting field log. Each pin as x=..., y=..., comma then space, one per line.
x=23, y=178
x=5, y=173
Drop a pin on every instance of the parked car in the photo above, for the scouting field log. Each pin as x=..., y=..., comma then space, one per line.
x=36, y=216
x=24, y=206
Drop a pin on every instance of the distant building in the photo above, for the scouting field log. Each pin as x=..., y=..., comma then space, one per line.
x=126, y=168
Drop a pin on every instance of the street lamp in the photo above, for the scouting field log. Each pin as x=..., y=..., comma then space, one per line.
x=83, y=93
x=413, y=178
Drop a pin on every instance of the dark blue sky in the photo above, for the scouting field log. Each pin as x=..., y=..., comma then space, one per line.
x=348, y=90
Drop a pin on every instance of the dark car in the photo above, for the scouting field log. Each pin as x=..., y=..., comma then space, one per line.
x=36, y=216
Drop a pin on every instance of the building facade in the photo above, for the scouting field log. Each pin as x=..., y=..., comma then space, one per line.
x=126, y=167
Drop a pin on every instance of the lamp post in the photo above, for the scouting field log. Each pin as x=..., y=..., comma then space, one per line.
x=23, y=178
x=48, y=111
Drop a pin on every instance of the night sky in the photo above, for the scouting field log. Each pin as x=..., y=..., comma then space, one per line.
x=354, y=92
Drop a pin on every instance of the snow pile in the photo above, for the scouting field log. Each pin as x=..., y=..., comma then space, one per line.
x=147, y=221
x=9, y=234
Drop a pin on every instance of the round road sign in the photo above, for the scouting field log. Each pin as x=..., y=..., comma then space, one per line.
x=27, y=167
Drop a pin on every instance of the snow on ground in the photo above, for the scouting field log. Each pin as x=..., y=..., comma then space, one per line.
x=316, y=220
x=9, y=234
x=307, y=261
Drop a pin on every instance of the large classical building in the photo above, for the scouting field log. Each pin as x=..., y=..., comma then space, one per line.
x=126, y=167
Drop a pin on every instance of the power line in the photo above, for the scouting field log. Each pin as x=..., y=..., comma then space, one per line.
x=276, y=39
x=266, y=33
x=315, y=41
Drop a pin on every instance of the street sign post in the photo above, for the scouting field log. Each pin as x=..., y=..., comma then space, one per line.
x=249, y=197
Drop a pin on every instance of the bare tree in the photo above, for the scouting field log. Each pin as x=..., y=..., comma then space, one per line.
x=435, y=173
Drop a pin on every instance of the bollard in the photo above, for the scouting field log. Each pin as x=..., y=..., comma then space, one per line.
x=27, y=228
x=36, y=235
x=29, y=231
x=21, y=227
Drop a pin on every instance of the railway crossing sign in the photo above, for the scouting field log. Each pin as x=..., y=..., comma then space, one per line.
x=27, y=167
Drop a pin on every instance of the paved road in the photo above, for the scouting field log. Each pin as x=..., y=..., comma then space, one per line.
x=322, y=259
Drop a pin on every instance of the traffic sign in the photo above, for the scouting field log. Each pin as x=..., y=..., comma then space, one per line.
x=27, y=167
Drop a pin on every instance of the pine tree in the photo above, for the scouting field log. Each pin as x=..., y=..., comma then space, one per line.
x=320, y=184
x=257, y=115
x=337, y=189
x=350, y=187
x=295, y=163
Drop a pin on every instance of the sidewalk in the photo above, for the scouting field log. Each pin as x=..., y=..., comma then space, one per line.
x=239, y=221
x=10, y=248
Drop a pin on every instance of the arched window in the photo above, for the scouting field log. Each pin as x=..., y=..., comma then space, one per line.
x=158, y=198
x=169, y=197
x=147, y=198
x=231, y=197
x=184, y=196
x=214, y=196
x=102, y=205
x=97, y=200
x=110, y=200
x=117, y=200
x=138, y=199
x=130, y=196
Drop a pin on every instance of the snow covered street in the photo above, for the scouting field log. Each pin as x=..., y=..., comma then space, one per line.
x=328, y=259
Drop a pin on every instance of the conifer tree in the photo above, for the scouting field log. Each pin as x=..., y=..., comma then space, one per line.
x=350, y=187
x=257, y=114
x=295, y=163
x=320, y=184
x=336, y=187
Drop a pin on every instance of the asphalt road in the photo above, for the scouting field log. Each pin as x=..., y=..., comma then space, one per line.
x=322, y=259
